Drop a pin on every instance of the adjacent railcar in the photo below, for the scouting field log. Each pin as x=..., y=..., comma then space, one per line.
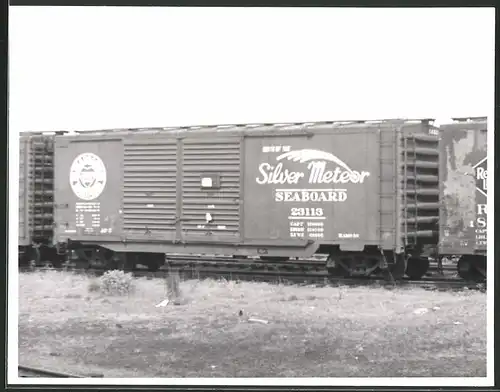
x=364, y=192
x=36, y=192
x=463, y=173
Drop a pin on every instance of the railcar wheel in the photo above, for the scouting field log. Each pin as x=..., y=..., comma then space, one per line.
x=467, y=268
x=106, y=258
x=24, y=256
x=399, y=267
x=56, y=260
x=337, y=272
x=50, y=255
x=122, y=261
x=336, y=269
x=480, y=266
x=417, y=267
x=94, y=257
x=86, y=258
x=33, y=256
x=155, y=261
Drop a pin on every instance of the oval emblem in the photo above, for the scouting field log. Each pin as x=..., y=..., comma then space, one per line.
x=87, y=176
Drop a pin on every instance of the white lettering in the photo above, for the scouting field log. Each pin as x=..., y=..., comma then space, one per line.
x=310, y=196
x=274, y=175
x=306, y=212
x=318, y=174
x=296, y=223
x=481, y=173
x=481, y=209
x=348, y=235
x=482, y=178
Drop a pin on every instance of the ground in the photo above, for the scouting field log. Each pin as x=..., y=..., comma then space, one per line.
x=311, y=331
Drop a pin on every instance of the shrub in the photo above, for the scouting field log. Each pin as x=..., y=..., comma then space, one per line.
x=117, y=282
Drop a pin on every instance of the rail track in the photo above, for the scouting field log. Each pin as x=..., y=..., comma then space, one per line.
x=316, y=263
x=301, y=272
x=30, y=372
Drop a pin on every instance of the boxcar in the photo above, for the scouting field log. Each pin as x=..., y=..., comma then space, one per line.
x=463, y=173
x=364, y=192
x=36, y=192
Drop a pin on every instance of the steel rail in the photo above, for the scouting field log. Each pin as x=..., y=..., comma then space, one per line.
x=39, y=372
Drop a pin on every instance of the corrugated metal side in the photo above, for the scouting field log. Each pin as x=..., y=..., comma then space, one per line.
x=463, y=173
x=24, y=234
x=420, y=184
x=149, y=187
x=36, y=189
x=218, y=158
x=43, y=174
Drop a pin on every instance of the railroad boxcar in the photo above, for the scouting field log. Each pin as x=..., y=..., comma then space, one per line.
x=463, y=177
x=36, y=192
x=364, y=192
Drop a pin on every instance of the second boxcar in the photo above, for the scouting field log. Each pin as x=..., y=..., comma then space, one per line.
x=364, y=192
x=463, y=175
x=36, y=199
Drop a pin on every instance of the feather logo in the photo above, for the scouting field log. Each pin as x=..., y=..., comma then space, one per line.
x=317, y=172
x=306, y=155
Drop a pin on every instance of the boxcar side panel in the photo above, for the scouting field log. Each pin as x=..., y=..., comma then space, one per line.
x=323, y=187
x=463, y=174
x=89, y=189
x=149, y=188
x=210, y=189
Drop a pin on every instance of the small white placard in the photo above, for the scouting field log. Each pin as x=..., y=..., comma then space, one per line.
x=206, y=182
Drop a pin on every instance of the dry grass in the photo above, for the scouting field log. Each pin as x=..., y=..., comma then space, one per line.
x=327, y=332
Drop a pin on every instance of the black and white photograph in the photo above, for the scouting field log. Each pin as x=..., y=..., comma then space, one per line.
x=250, y=196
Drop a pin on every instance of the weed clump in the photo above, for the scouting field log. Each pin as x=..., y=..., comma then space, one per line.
x=116, y=282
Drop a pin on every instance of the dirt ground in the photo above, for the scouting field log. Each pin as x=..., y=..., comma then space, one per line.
x=311, y=331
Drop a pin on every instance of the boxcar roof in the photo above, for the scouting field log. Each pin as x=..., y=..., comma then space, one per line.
x=463, y=123
x=263, y=127
x=470, y=119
